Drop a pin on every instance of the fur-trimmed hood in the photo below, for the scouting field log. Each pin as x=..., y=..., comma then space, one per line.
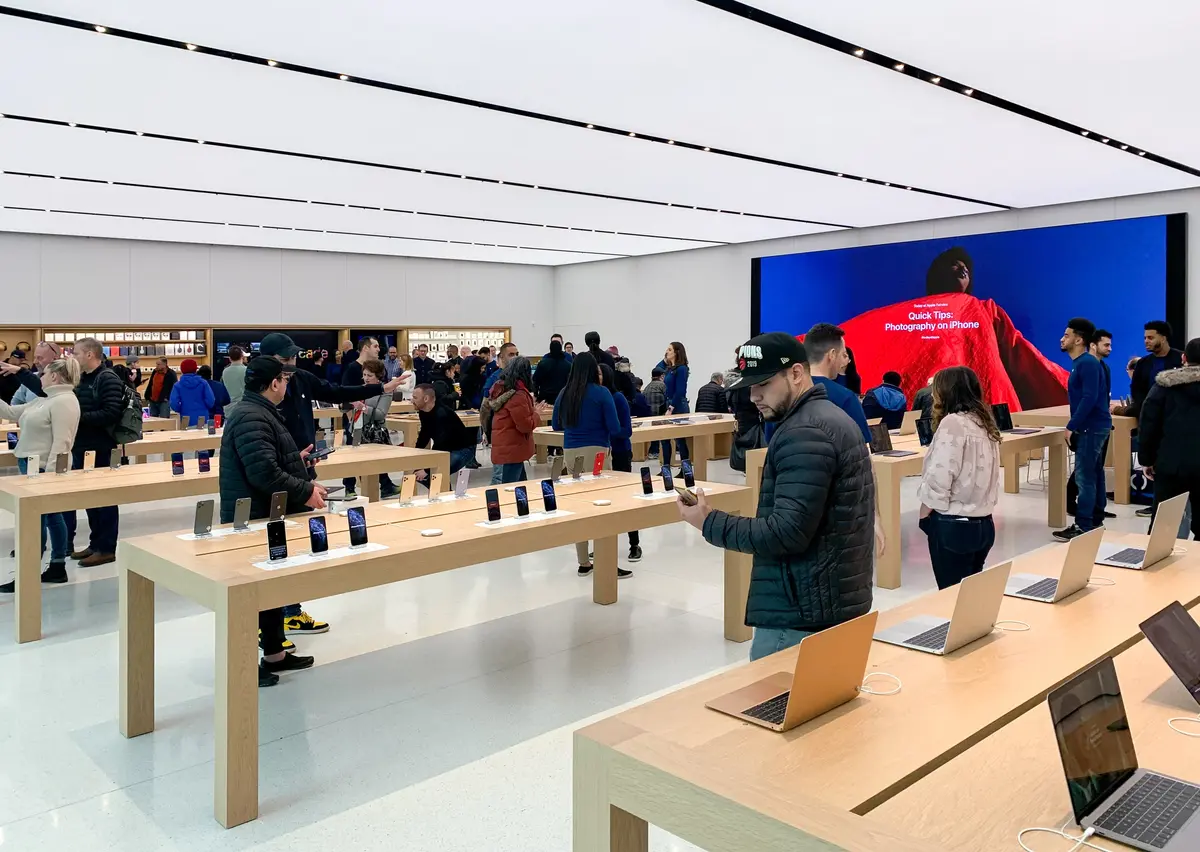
x=1178, y=377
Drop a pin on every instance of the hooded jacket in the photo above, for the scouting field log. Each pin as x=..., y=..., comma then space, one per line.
x=813, y=535
x=192, y=398
x=513, y=419
x=550, y=374
x=258, y=458
x=1169, y=425
x=888, y=402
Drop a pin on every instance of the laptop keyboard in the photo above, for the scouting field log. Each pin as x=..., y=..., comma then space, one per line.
x=772, y=710
x=1152, y=811
x=1130, y=556
x=935, y=638
x=1041, y=589
x=897, y=453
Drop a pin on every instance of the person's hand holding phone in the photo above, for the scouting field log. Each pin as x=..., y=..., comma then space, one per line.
x=304, y=454
x=421, y=476
x=316, y=500
x=696, y=514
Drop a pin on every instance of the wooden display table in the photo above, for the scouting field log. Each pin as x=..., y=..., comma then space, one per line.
x=688, y=768
x=980, y=783
x=334, y=414
x=889, y=470
x=1120, y=446
x=151, y=444
x=409, y=425
x=219, y=573
x=699, y=431
x=28, y=498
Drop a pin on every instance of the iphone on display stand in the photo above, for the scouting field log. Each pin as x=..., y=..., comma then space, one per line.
x=114, y=459
x=435, y=487
x=668, y=480
x=201, y=422
x=33, y=466
x=492, y=497
x=212, y=427
x=356, y=516
x=522, y=497
x=278, y=505
x=204, y=518
x=598, y=465
x=276, y=541
x=461, y=481
x=218, y=419
x=647, y=481
x=241, y=515
x=62, y=463
x=549, y=501
x=203, y=462
x=89, y=460
x=318, y=537
x=689, y=477
x=408, y=487
x=577, y=468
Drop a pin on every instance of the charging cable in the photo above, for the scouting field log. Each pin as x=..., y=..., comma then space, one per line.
x=1021, y=629
x=863, y=689
x=1095, y=581
x=1178, y=550
x=1062, y=832
x=1195, y=720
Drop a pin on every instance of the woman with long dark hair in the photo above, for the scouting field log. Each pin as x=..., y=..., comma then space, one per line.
x=587, y=416
x=675, y=376
x=513, y=416
x=622, y=448
x=471, y=379
x=960, y=479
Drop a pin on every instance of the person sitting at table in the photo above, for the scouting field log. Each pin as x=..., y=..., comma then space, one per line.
x=443, y=428
x=960, y=478
x=48, y=426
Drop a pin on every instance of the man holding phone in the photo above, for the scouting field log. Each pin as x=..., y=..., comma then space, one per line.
x=259, y=458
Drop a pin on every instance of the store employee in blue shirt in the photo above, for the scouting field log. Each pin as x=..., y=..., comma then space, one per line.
x=826, y=348
x=1088, y=427
x=1161, y=357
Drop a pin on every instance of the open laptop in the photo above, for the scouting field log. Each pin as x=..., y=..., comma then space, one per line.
x=1076, y=571
x=908, y=426
x=1176, y=637
x=974, y=615
x=881, y=443
x=1003, y=418
x=925, y=431
x=1109, y=792
x=1162, y=539
x=830, y=667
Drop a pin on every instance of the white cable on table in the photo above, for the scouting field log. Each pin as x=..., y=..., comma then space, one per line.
x=863, y=689
x=1061, y=832
x=1020, y=629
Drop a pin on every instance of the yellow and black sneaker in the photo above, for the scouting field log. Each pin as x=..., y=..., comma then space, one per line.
x=304, y=623
x=288, y=644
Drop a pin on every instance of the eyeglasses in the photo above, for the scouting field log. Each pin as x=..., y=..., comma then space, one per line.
x=53, y=347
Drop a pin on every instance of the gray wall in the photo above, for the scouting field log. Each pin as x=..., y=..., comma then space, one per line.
x=702, y=296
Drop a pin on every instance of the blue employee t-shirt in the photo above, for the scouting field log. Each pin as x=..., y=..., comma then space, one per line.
x=847, y=402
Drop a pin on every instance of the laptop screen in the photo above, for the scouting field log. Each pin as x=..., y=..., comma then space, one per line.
x=1093, y=736
x=925, y=431
x=1003, y=418
x=881, y=439
x=1176, y=637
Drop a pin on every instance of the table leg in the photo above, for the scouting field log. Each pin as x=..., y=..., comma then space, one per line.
x=1056, y=492
x=541, y=453
x=370, y=487
x=604, y=571
x=27, y=542
x=136, y=596
x=235, y=795
x=737, y=589
x=639, y=452
x=1122, y=449
x=722, y=445
x=702, y=451
x=887, y=498
x=411, y=430
x=1012, y=473
x=597, y=825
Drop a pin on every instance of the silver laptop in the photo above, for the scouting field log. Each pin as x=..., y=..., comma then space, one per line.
x=975, y=612
x=1162, y=539
x=1076, y=571
x=1109, y=792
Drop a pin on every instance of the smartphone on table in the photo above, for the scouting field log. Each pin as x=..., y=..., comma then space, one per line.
x=357, y=518
x=549, y=501
x=689, y=477
x=276, y=541
x=33, y=466
x=435, y=487
x=203, y=461
x=318, y=537
x=218, y=419
x=577, y=467
x=522, y=497
x=241, y=515
x=492, y=497
x=114, y=459
x=408, y=487
x=647, y=481
x=62, y=463
x=176, y=464
x=12, y=440
x=668, y=480
x=204, y=518
x=278, y=505
x=461, y=481
x=598, y=465
x=212, y=427
x=89, y=460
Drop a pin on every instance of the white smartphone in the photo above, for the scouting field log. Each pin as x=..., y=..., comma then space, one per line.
x=33, y=466
x=89, y=460
x=461, y=481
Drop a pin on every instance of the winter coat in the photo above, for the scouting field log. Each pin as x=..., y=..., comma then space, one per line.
x=710, y=399
x=258, y=458
x=550, y=376
x=513, y=419
x=100, y=394
x=1169, y=425
x=888, y=402
x=192, y=398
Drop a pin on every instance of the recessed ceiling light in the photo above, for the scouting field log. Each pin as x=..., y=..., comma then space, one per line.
x=670, y=141
x=464, y=177
x=899, y=66
x=190, y=46
x=70, y=124
x=631, y=133
x=500, y=182
x=968, y=92
x=591, y=127
x=887, y=183
x=1124, y=147
x=708, y=149
x=840, y=174
x=1105, y=140
x=935, y=80
x=864, y=180
x=199, y=141
x=859, y=52
x=272, y=62
x=1141, y=153
x=1084, y=132
x=101, y=29
x=908, y=187
x=139, y=133
x=343, y=77
x=422, y=171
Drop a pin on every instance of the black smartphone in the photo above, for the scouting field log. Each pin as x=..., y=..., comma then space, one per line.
x=522, y=501
x=276, y=541
x=668, y=480
x=357, y=517
x=12, y=440
x=548, y=499
x=317, y=537
x=278, y=506
x=241, y=515
x=317, y=455
x=114, y=459
x=212, y=427
x=62, y=463
x=320, y=444
x=204, y=518
x=177, y=464
x=647, y=481
x=492, y=497
x=203, y=462
x=689, y=478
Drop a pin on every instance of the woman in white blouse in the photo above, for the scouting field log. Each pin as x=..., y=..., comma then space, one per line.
x=960, y=480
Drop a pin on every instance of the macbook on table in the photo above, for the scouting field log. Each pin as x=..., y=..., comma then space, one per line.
x=881, y=443
x=1162, y=539
x=1176, y=637
x=1076, y=571
x=830, y=667
x=1109, y=792
x=1003, y=418
x=974, y=615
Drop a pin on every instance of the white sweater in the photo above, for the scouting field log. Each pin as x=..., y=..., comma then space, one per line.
x=48, y=425
x=961, y=473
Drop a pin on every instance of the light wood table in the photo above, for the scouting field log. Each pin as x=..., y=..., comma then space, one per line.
x=218, y=573
x=700, y=433
x=694, y=761
x=1120, y=446
x=889, y=470
x=1014, y=779
x=28, y=498
x=151, y=444
x=149, y=424
x=334, y=414
x=409, y=425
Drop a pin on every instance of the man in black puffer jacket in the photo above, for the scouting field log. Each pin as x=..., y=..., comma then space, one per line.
x=813, y=535
x=1168, y=446
x=711, y=398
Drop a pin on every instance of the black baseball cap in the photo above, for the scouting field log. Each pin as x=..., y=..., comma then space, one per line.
x=761, y=357
x=277, y=343
x=266, y=370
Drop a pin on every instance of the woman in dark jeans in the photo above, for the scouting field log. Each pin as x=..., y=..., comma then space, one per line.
x=675, y=368
x=960, y=479
x=622, y=448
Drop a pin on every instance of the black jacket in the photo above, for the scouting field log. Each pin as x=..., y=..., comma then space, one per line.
x=25, y=377
x=550, y=376
x=258, y=458
x=352, y=372
x=297, y=406
x=813, y=536
x=1140, y=384
x=445, y=428
x=745, y=412
x=710, y=399
x=923, y=402
x=423, y=370
x=100, y=394
x=169, y=379
x=1169, y=426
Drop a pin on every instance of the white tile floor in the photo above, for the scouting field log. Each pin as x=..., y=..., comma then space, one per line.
x=438, y=716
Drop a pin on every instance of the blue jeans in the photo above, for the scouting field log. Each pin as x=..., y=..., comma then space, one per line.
x=459, y=459
x=1089, y=476
x=105, y=521
x=958, y=546
x=53, y=527
x=511, y=472
x=771, y=640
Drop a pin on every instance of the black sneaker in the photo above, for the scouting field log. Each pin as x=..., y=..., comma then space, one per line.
x=388, y=493
x=584, y=571
x=56, y=572
x=10, y=588
x=1069, y=533
x=266, y=678
x=622, y=573
x=289, y=663
x=635, y=554
x=1145, y=513
x=1109, y=515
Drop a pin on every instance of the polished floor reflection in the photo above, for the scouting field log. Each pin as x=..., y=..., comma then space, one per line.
x=438, y=716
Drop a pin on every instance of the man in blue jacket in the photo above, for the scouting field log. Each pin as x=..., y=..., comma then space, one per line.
x=826, y=348
x=887, y=401
x=1088, y=428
